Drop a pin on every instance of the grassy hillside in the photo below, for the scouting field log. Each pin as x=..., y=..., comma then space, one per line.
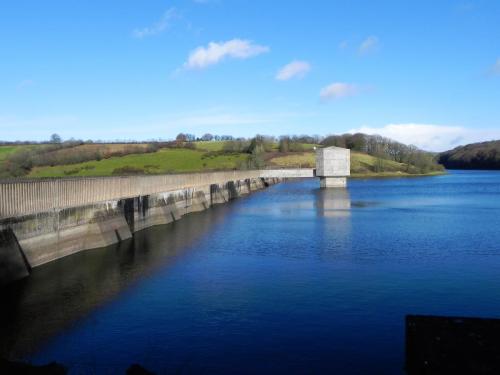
x=484, y=155
x=126, y=159
x=183, y=160
x=162, y=161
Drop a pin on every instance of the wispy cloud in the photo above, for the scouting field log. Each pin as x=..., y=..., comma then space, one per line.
x=295, y=69
x=369, y=45
x=343, y=45
x=220, y=120
x=465, y=7
x=495, y=69
x=431, y=137
x=215, y=52
x=25, y=83
x=158, y=27
x=37, y=128
x=338, y=90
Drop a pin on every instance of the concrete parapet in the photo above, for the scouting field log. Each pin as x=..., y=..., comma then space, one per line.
x=24, y=197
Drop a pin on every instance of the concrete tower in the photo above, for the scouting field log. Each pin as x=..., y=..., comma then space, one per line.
x=333, y=165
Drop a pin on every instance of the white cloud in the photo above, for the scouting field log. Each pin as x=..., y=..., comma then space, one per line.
x=344, y=44
x=370, y=44
x=338, y=90
x=431, y=137
x=159, y=26
x=214, y=53
x=295, y=69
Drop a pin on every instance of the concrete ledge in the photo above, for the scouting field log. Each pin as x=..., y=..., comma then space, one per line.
x=287, y=173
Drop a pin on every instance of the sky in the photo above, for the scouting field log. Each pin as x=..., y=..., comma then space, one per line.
x=421, y=72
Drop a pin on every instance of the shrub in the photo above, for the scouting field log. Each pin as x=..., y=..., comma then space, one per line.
x=128, y=170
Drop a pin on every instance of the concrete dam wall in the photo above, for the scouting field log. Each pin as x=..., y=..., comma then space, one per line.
x=44, y=220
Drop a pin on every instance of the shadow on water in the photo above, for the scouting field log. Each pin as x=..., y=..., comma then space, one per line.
x=57, y=294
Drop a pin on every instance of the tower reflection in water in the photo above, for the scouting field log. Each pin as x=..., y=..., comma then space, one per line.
x=334, y=202
x=333, y=209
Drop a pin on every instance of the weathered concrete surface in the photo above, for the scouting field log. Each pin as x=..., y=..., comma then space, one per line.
x=333, y=162
x=333, y=182
x=12, y=263
x=52, y=235
x=58, y=232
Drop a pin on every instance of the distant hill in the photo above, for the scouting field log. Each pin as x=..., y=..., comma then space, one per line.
x=484, y=155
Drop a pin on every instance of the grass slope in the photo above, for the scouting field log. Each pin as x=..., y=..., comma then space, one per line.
x=163, y=161
x=210, y=145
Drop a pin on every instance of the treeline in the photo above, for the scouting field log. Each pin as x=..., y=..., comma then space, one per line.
x=484, y=155
x=285, y=143
x=416, y=160
x=207, y=137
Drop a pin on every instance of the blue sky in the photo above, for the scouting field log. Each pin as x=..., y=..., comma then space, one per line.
x=423, y=72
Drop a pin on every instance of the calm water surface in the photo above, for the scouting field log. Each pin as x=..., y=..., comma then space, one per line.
x=292, y=279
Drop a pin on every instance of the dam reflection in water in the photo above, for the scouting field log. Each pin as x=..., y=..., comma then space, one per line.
x=59, y=293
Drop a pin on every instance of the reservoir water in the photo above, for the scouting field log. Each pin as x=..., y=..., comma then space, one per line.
x=291, y=279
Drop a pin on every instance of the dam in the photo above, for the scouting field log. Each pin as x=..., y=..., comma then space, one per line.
x=46, y=219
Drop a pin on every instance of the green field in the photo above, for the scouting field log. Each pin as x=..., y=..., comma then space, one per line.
x=5, y=151
x=210, y=145
x=163, y=161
